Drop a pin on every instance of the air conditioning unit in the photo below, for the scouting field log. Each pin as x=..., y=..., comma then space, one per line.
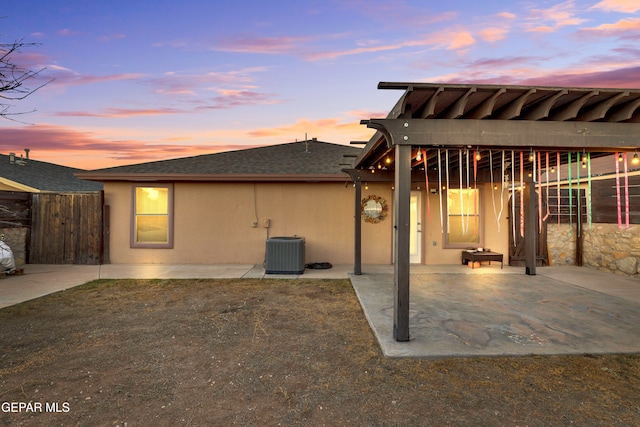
x=284, y=255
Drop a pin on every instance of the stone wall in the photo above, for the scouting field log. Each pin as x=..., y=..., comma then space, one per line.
x=606, y=247
x=16, y=238
x=561, y=244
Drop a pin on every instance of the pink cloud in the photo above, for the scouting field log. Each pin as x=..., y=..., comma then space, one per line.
x=173, y=83
x=493, y=34
x=306, y=126
x=449, y=40
x=619, y=78
x=506, y=15
x=623, y=27
x=626, y=6
x=87, y=150
x=64, y=76
x=266, y=45
x=623, y=78
x=396, y=14
x=365, y=114
x=553, y=18
x=120, y=113
x=66, y=32
x=237, y=98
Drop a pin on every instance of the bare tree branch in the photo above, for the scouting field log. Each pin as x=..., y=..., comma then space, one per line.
x=13, y=78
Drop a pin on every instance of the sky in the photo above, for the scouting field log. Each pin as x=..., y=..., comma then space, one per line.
x=143, y=80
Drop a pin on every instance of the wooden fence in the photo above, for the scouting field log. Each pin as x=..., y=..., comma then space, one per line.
x=67, y=228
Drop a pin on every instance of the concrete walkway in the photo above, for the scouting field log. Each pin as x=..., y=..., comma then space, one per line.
x=454, y=310
x=40, y=279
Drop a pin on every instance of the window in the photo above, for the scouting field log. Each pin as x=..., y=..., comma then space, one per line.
x=152, y=219
x=463, y=221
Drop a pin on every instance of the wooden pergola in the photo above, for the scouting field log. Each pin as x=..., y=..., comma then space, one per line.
x=433, y=117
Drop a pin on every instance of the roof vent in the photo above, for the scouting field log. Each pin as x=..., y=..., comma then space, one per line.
x=12, y=158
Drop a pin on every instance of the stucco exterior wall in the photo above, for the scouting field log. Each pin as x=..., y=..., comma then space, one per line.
x=213, y=223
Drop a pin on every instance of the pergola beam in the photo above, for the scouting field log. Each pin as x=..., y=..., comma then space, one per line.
x=512, y=134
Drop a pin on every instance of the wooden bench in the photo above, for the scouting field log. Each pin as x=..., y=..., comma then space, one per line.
x=477, y=256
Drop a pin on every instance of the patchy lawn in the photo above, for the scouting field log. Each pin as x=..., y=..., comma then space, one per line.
x=271, y=352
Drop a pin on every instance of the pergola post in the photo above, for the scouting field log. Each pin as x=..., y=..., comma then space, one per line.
x=357, y=262
x=530, y=227
x=401, y=229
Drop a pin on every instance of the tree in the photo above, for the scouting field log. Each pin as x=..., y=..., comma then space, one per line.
x=13, y=78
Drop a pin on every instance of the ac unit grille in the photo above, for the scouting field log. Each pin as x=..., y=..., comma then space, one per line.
x=284, y=255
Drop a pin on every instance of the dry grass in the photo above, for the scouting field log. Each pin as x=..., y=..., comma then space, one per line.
x=270, y=352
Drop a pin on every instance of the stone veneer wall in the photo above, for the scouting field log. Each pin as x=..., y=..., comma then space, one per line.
x=606, y=247
x=16, y=238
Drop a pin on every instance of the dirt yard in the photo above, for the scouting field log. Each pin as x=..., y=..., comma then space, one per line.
x=268, y=353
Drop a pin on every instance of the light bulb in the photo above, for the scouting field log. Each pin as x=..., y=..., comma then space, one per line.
x=635, y=159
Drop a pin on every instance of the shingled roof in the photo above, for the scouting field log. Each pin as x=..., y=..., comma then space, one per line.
x=36, y=176
x=295, y=161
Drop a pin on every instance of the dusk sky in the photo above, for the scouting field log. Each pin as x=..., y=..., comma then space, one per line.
x=140, y=80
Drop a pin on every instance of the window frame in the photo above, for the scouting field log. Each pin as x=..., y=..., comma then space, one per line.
x=170, y=217
x=480, y=214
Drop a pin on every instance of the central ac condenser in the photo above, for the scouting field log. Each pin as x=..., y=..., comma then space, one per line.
x=284, y=255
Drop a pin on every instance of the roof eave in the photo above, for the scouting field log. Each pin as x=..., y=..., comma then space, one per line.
x=154, y=177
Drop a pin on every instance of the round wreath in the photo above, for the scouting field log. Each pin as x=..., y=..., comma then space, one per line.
x=383, y=211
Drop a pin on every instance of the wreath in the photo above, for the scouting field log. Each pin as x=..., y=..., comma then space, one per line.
x=380, y=215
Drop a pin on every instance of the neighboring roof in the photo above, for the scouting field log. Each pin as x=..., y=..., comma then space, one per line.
x=36, y=176
x=296, y=161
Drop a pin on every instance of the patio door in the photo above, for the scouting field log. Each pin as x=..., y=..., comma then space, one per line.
x=415, y=229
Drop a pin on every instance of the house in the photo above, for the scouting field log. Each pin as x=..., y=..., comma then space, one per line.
x=21, y=173
x=222, y=207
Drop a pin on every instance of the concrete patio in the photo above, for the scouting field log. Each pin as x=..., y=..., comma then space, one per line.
x=454, y=310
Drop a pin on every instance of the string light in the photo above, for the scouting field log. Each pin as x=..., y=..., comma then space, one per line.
x=620, y=158
x=531, y=156
x=635, y=159
x=478, y=156
x=419, y=155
